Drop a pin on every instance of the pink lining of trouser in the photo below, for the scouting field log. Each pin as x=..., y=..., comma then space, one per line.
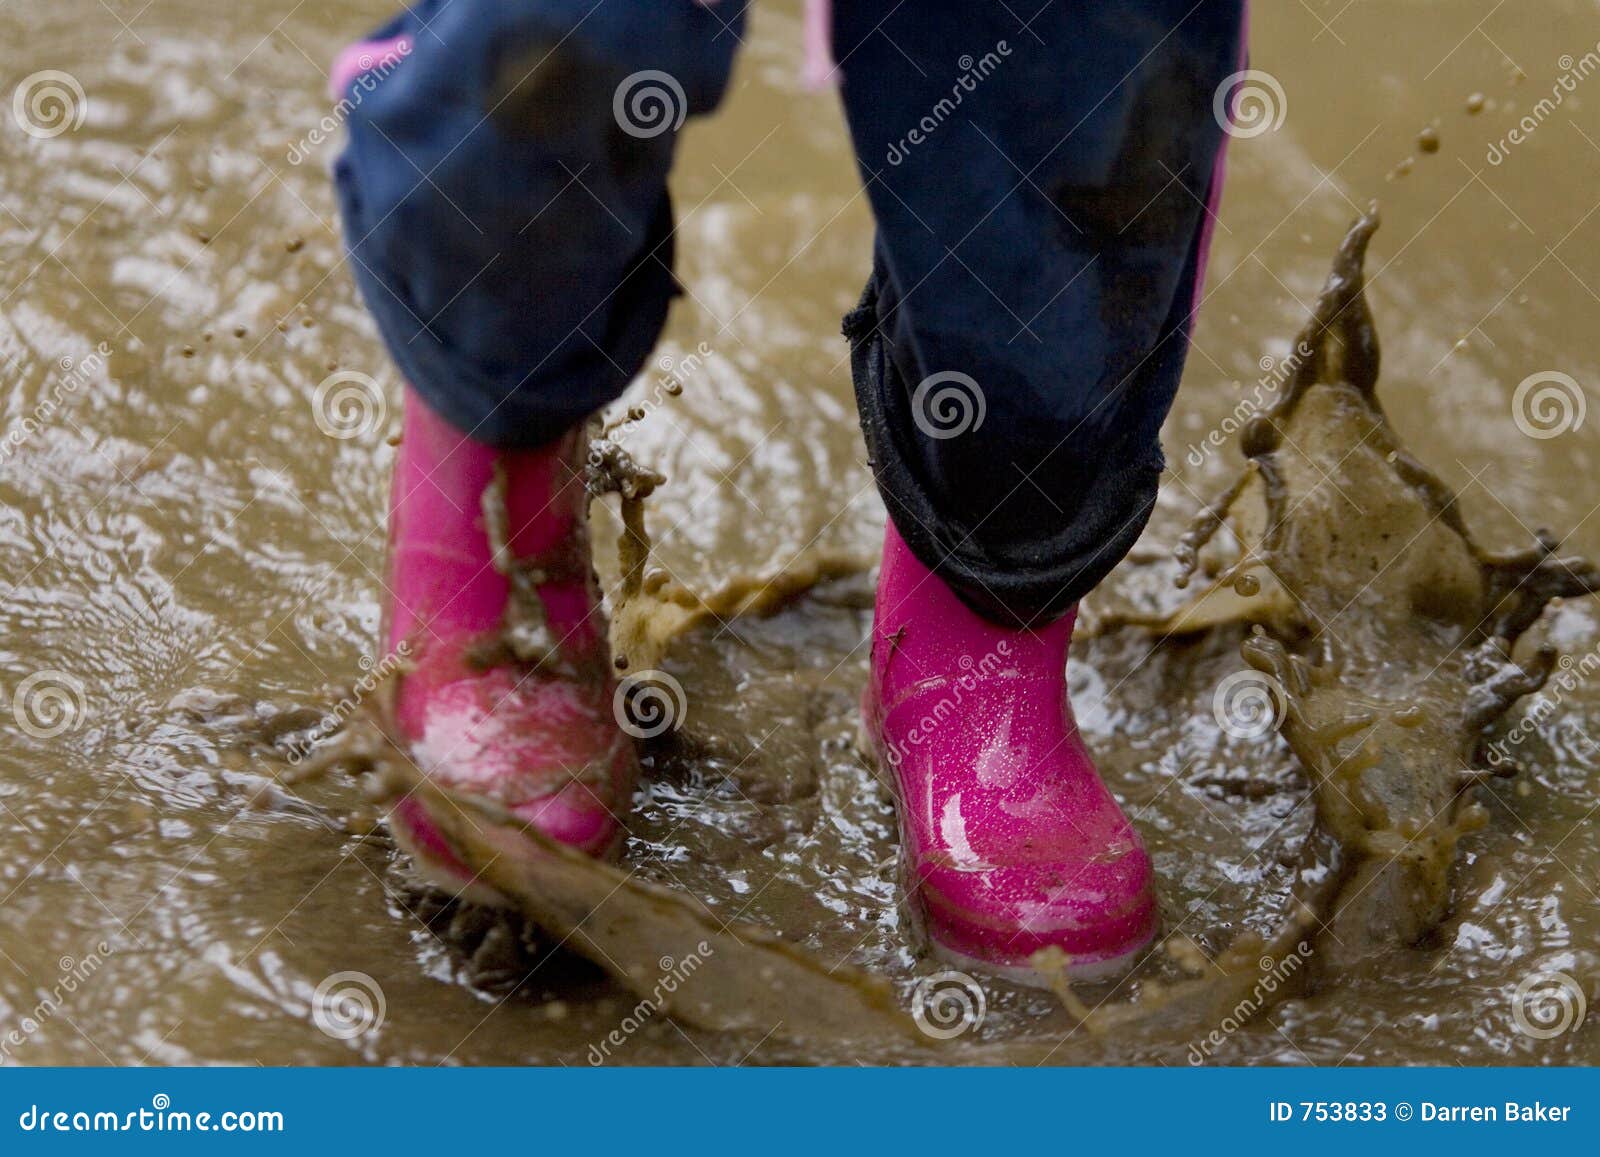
x=819, y=71
x=1219, y=168
x=358, y=59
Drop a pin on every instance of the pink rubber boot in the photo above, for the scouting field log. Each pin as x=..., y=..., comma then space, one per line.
x=538, y=737
x=1010, y=842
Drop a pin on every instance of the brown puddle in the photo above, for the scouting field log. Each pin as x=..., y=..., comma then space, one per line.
x=192, y=561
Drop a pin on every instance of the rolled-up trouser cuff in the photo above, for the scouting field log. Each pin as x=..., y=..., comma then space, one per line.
x=1042, y=225
x=1018, y=580
x=510, y=408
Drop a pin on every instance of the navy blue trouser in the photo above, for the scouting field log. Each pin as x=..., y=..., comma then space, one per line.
x=1040, y=179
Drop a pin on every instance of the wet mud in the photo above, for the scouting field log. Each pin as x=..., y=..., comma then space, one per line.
x=1393, y=650
x=191, y=549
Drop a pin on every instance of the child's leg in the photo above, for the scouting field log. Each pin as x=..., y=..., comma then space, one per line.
x=505, y=208
x=504, y=198
x=1043, y=239
x=1042, y=209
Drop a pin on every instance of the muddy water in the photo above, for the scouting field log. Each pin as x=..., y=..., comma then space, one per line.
x=195, y=564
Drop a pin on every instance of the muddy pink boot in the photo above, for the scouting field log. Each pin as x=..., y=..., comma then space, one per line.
x=507, y=696
x=1010, y=842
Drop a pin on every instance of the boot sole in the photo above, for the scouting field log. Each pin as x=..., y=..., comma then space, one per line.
x=1088, y=972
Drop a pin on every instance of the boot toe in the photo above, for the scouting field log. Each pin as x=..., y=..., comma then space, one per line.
x=577, y=817
x=547, y=751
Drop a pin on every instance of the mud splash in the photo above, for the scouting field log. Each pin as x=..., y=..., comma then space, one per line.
x=744, y=978
x=1385, y=643
x=649, y=607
